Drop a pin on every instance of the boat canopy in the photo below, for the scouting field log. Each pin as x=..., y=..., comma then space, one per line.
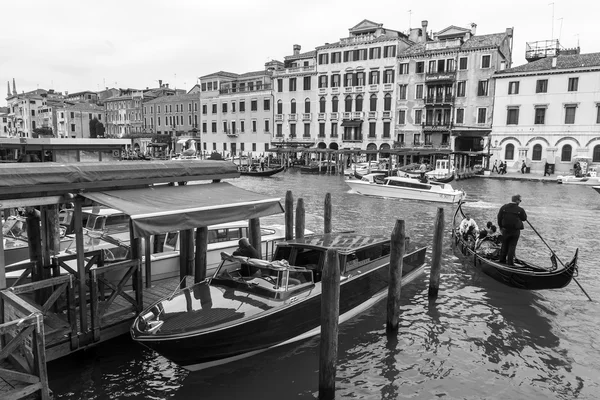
x=161, y=209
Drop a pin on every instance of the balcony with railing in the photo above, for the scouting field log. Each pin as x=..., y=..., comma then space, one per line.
x=334, y=116
x=245, y=89
x=306, y=116
x=232, y=133
x=373, y=88
x=322, y=91
x=439, y=100
x=387, y=115
x=293, y=140
x=322, y=116
x=348, y=89
x=358, y=115
x=356, y=138
x=292, y=117
x=359, y=89
x=388, y=87
x=335, y=90
x=294, y=70
x=436, y=125
x=278, y=117
x=372, y=115
x=347, y=115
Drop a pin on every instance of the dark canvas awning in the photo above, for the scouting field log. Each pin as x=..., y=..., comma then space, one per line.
x=160, y=209
x=353, y=123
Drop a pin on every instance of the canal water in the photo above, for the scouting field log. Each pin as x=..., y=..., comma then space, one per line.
x=478, y=340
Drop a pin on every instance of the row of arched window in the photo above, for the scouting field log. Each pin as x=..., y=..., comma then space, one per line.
x=349, y=102
x=566, y=152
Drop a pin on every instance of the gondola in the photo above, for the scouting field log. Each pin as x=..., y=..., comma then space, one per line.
x=523, y=275
x=258, y=172
x=446, y=179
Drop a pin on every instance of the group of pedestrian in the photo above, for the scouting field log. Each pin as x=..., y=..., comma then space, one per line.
x=499, y=168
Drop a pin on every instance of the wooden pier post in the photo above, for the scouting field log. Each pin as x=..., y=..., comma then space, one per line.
x=148, y=242
x=330, y=309
x=436, y=257
x=2, y=262
x=136, y=254
x=254, y=232
x=398, y=244
x=183, y=256
x=189, y=265
x=289, y=215
x=328, y=213
x=201, y=249
x=300, y=219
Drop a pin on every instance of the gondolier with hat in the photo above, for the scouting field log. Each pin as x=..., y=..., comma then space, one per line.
x=510, y=220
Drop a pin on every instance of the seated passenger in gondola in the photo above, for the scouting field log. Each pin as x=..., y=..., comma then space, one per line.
x=468, y=227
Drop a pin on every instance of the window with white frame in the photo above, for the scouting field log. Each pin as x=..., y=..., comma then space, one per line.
x=462, y=63
x=481, y=115
x=513, y=87
x=403, y=69
x=512, y=115
x=573, y=84
x=460, y=115
x=461, y=88
x=418, y=117
x=540, y=115
x=402, y=91
x=486, y=61
x=570, y=110
x=401, y=117
x=419, y=91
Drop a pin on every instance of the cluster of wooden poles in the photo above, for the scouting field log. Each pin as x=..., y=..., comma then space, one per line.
x=330, y=297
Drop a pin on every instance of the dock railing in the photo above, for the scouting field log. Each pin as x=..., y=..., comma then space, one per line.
x=22, y=349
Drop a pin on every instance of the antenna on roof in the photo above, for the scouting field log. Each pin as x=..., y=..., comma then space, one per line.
x=409, y=18
x=560, y=30
x=552, y=4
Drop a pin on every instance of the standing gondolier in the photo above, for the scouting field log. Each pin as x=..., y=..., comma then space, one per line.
x=510, y=221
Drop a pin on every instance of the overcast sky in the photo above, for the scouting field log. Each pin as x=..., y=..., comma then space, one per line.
x=75, y=45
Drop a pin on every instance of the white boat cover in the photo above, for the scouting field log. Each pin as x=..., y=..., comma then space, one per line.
x=161, y=209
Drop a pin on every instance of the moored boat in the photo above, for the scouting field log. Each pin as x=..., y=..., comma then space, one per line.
x=258, y=172
x=320, y=167
x=524, y=274
x=578, y=180
x=405, y=188
x=596, y=188
x=251, y=305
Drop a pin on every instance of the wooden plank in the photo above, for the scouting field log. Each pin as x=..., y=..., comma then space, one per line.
x=33, y=286
x=78, y=215
x=18, y=376
x=32, y=201
x=21, y=393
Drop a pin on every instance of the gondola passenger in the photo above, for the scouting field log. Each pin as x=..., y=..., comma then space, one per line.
x=467, y=227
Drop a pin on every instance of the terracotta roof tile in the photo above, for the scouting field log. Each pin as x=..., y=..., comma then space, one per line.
x=492, y=40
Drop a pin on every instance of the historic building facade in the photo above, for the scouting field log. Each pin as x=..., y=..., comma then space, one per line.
x=341, y=95
x=445, y=91
x=237, y=111
x=177, y=116
x=548, y=111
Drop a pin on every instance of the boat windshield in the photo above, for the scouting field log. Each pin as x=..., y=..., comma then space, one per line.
x=273, y=276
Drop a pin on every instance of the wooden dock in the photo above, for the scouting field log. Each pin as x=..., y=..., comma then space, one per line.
x=53, y=330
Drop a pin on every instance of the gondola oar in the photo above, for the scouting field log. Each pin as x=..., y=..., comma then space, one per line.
x=561, y=263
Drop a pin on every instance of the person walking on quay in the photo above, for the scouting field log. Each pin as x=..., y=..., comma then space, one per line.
x=523, y=166
x=510, y=221
x=546, y=169
x=495, y=167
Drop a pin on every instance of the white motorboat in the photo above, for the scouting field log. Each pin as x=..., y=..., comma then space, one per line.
x=405, y=188
x=443, y=169
x=581, y=180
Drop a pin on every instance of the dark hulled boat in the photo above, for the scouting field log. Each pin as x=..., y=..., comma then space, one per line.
x=259, y=172
x=523, y=275
x=252, y=305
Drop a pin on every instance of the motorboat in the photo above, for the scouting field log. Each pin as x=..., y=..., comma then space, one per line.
x=252, y=305
x=596, y=188
x=378, y=184
x=578, y=180
x=320, y=167
x=107, y=231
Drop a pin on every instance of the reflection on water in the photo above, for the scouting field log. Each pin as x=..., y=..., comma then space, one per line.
x=477, y=340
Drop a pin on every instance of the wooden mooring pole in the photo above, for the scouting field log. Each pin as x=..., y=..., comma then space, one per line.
x=300, y=219
x=254, y=233
x=398, y=244
x=289, y=215
x=330, y=310
x=327, y=214
x=201, y=249
x=436, y=258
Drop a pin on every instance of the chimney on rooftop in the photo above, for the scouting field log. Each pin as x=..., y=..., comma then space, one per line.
x=297, y=49
x=473, y=28
x=424, y=31
x=160, y=83
x=554, y=60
